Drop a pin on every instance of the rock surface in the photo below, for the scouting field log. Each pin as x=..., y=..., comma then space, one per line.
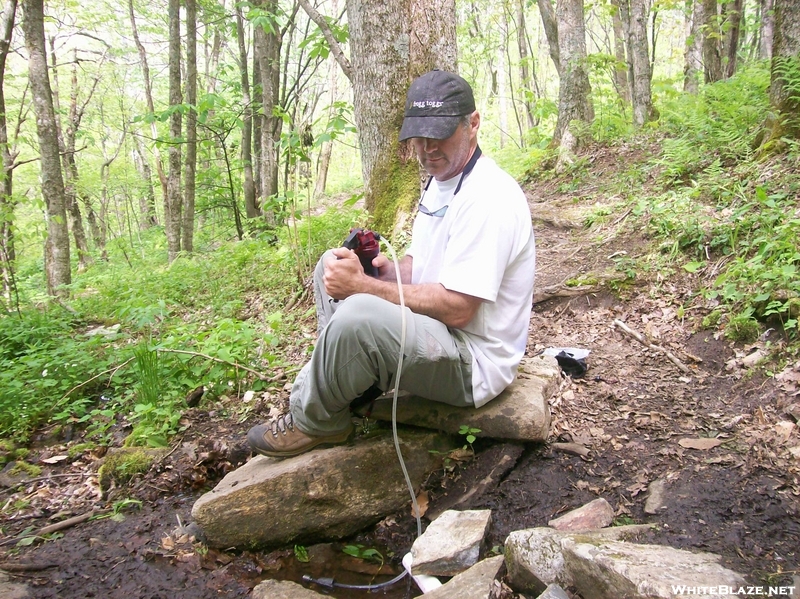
x=283, y=589
x=553, y=591
x=614, y=569
x=520, y=413
x=323, y=494
x=534, y=557
x=474, y=583
x=12, y=590
x=595, y=514
x=657, y=497
x=451, y=544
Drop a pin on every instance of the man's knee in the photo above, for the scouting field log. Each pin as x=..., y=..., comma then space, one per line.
x=363, y=310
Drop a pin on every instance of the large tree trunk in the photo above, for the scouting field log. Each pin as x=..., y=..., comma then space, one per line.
x=712, y=36
x=635, y=11
x=7, y=253
x=187, y=226
x=267, y=46
x=693, y=57
x=784, y=91
x=172, y=201
x=56, y=259
x=251, y=207
x=391, y=44
x=574, y=93
x=550, y=25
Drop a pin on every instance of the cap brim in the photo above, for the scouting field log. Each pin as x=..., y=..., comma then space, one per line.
x=432, y=127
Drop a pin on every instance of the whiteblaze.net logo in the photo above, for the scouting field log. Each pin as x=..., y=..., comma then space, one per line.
x=741, y=591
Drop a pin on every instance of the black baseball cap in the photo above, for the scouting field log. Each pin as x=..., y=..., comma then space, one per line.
x=435, y=103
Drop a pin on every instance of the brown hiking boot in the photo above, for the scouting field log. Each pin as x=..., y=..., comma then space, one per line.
x=279, y=438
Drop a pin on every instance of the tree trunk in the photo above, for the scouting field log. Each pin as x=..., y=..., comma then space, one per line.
x=327, y=147
x=712, y=36
x=267, y=45
x=7, y=253
x=172, y=203
x=148, y=94
x=734, y=19
x=551, y=31
x=621, y=69
x=147, y=199
x=638, y=60
x=574, y=93
x=526, y=89
x=187, y=226
x=784, y=91
x=693, y=63
x=767, y=29
x=415, y=37
x=56, y=259
x=251, y=207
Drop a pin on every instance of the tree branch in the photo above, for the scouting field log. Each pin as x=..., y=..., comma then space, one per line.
x=336, y=49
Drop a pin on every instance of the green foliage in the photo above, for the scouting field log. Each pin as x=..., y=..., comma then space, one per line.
x=469, y=433
x=301, y=554
x=365, y=553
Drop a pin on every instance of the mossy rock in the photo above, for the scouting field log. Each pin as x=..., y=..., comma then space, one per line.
x=120, y=465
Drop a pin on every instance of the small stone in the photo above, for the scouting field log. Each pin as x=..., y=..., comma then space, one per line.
x=595, y=514
x=474, y=583
x=12, y=590
x=656, y=499
x=554, y=591
x=451, y=544
x=283, y=589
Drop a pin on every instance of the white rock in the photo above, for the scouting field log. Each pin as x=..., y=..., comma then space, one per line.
x=451, y=543
x=553, y=591
x=474, y=583
x=614, y=569
x=283, y=589
x=656, y=498
x=534, y=558
x=595, y=514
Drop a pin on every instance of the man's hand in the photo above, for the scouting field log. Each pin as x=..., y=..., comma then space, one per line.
x=344, y=275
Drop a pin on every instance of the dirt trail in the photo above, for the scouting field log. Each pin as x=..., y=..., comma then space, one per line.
x=637, y=413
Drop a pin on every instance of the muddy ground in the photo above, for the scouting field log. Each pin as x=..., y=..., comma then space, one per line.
x=720, y=431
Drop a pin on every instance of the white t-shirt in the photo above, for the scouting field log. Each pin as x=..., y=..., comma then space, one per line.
x=483, y=246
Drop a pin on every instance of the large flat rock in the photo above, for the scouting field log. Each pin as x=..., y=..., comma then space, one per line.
x=451, y=544
x=323, y=494
x=475, y=583
x=520, y=413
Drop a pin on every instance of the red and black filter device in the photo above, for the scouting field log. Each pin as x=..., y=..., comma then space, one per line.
x=365, y=244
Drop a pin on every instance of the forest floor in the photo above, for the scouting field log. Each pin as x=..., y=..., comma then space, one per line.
x=721, y=434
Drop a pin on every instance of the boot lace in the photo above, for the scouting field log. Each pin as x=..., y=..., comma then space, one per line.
x=282, y=424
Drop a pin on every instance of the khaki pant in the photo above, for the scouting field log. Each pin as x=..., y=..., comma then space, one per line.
x=357, y=348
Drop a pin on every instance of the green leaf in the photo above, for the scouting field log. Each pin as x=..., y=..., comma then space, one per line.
x=693, y=266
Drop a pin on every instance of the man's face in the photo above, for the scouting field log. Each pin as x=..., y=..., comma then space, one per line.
x=443, y=159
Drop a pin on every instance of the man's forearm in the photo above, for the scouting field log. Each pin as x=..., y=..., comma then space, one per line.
x=432, y=299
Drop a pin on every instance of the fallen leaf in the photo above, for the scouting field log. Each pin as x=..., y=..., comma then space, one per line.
x=422, y=502
x=55, y=459
x=702, y=443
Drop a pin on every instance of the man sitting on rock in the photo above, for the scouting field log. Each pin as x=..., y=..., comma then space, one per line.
x=467, y=284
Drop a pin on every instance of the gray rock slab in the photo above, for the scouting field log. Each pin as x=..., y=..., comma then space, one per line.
x=656, y=497
x=534, y=558
x=520, y=413
x=474, y=583
x=323, y=494
x=553, y=591
x=614, y=569
x=283, y=589
x=595, y=514
x=451, y=544
x=12, y=590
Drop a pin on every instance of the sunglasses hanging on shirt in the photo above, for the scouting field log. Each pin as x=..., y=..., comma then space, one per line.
x=467, y=170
